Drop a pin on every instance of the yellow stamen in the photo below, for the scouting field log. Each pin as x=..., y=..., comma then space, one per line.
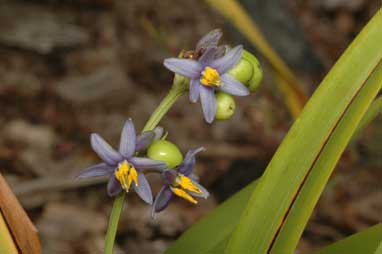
x=210, y=77
x=126, y=174
x=187, y=184
x=181, y=193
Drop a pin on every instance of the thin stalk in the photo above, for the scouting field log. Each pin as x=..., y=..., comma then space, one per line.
x=178, y=89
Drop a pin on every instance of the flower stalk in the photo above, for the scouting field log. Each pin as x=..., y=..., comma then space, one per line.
x=178, y=88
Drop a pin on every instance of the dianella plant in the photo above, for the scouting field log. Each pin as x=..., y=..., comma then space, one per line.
x=270, y=214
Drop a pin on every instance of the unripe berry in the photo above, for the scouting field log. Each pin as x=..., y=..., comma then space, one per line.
x=225, y=106
x=257, y=71
x=166, y=151
x=242, y=71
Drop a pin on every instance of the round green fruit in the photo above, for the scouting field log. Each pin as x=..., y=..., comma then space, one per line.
x=242, y=71
x=166, y=151
x=225, y=106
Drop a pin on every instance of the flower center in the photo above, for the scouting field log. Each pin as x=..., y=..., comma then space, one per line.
x=181, y=193
x=187, y=184
x=210, y=77
x=184, y=184
x=126, y=174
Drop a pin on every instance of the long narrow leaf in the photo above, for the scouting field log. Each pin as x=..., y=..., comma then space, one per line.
x=374, y=110
x=304, y=203
x=278, y=189
x=365, y=242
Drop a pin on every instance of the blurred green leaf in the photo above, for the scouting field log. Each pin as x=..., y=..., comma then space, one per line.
x=365, y=242
x=210, y=233
x=282, y=202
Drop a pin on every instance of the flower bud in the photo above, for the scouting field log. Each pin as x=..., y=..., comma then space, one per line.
x=166, y=151
x=225, y=106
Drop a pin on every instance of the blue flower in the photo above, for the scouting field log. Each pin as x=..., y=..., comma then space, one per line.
x=125, y=170
x=208, y=74
x=180, y=182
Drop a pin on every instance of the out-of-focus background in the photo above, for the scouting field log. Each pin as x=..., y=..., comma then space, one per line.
x=69, y=68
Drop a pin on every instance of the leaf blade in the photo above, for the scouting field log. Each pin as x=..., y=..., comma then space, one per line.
x=278, y=187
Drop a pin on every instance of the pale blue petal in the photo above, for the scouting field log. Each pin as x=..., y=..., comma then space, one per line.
x=232, y=86
x=162, y=200
x=146, y=163
x=207, y=97
x=209, y=40
x=229, y=60
x=143, y=189
x=208, y=56
x=101, y=169
x=104, y=150
x=185, y=67
x=194, y=90
x=144, y=140
x=189, y=161
x=128, y=139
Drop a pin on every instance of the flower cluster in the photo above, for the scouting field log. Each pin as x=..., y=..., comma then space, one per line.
x=214, y=73
x=209, y=72
x=127, y=171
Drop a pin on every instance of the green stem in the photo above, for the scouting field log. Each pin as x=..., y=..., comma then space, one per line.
x=177, y=90
x=113, y=222
x=163, y=107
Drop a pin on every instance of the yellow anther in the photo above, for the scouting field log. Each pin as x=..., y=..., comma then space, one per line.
x=187, y=184
x=210, y=77
x=126, y=174
x=181, y=193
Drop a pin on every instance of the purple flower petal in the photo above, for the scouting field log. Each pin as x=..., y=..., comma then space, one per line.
x=101, y=169
x=209, y=40
x=143, y=189
x=189, y=161
x=193, y=177
x=113, y=186
x=158, y=133
x=185, y=67
x=128, y=139
x=220, y=51
x=204, y=194
x=207, y=57
x=194, y=90
x=104, y=150
x=144, y=140
x=146, y=163
x=162, y=200
x=232, y=86
x=222, y=65
x=208, y=100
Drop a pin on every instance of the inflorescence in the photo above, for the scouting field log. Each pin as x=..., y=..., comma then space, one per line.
x=214, y=73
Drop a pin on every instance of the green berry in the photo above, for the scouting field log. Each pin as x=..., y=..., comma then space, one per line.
x=257, y=72
x=225, y=106
x=242, y=71
x=166, y=151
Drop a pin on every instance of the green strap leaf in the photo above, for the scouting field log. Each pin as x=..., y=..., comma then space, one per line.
x=297, y=161
x=365, y=242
